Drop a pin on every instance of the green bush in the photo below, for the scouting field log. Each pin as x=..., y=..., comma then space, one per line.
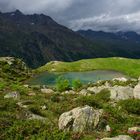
x=104, y=95
x=76, y=84
x=34, y=130
x=20, y=88
x=131, y=105
x=62, y=84
x=55, y=98
x=2, y=85
x=88, y=100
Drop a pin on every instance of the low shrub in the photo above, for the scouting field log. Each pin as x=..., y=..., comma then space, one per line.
x=34, y=130
x=2, y=85
x=55, y=98
x=88, y=100
x=76, y=84
x=104, y=95
x=62, y=84
x=131, y=105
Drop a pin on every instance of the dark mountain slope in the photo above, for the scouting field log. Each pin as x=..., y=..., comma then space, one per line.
x=126, y=44
x=38, y=39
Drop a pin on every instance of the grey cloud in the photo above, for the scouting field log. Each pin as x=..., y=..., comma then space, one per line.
x=107, y=15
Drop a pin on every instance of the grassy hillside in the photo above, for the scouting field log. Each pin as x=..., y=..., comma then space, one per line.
x=129, y=67
x=13, y=69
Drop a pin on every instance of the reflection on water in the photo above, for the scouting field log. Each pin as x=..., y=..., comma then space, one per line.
x=85, y=77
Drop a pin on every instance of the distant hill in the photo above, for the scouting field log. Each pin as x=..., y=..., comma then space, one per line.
x=38, y=39
x=130, y=67
x=124, y=44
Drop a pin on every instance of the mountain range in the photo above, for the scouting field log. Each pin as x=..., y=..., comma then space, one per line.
x=38, y=39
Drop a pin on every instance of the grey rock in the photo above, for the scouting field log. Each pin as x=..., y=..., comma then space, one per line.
x=137, y=91
x=134, y=130
x=121, y=79
x=108, y=128
x=84, y=92
x=24, y=104
x=44, y=107
x=31, y=94
x=69, y=92
x=31, y=116
x=97, y=89
x=121, y=93
x=47, y=91
x=15, y=95
x=80, y=119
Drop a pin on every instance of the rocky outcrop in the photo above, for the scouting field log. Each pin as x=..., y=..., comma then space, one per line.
x=80, y=119
x=121, y=93
x=15, y=95
x=47, y=91
x=137, y=91
x=116, y=92
x=97, y=89
x=84, y=92
x=120, y=137
x=121, y=79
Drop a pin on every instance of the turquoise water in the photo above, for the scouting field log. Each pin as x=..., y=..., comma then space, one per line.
x=47, y=78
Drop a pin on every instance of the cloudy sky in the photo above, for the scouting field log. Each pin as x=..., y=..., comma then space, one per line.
x=106, y=15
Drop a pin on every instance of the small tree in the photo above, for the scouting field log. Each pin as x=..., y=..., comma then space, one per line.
x=76, y=84
x=62, y=84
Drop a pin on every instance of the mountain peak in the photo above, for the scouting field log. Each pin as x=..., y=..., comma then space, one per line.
x=17, y=12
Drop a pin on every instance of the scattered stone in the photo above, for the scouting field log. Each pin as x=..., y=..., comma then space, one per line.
x=26, y=86
x=121, y=93
x=24, y=104
x=137, y=91
x=69, y=92
x=97, y=89
x=31, y=94
x=80, y=119
x=108, y=128
x=44, y=107
x=134, y=130
x=21, y=105
x=47, y=91
x=30, y=116
x=120, y=137
x=15, y=95
x=84, y=92
x=121, y=79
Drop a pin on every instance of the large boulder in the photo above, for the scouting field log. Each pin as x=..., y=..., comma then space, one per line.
x=120, y=137
x=15, y=95
x=121, y=93
x=80, y=119
x=137, y=91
